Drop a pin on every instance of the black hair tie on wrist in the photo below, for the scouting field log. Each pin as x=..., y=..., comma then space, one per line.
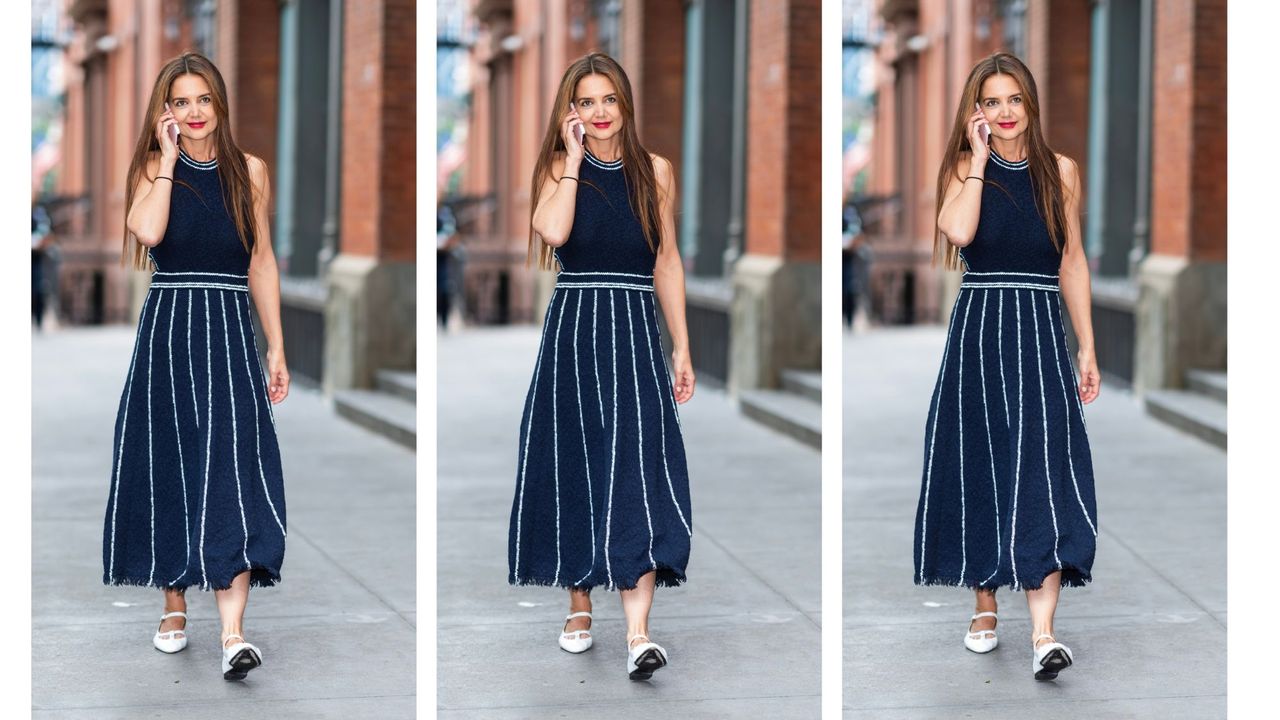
x=164, y=177
x=569, y=177
x=974, y=177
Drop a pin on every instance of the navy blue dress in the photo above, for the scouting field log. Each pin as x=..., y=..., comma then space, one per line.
x=197, y=491
x=602, y=490
x=1007, y=490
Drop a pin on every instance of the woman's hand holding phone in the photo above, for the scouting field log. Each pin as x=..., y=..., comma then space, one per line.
x=979, y=132
x=570, y=128
x=167, y=134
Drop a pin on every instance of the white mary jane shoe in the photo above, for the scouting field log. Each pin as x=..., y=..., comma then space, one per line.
x=575, y=641
x=1050, y=658
x=981, y=641
x=167, y=642
x=644, y=659
x=239, y=659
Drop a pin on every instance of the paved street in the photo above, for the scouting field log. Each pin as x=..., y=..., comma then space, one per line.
x=337, y=634
x=743, y=633
x=1149, y=634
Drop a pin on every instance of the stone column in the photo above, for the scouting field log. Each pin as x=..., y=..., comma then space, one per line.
x=1182, y=304
x=370, y=312
x=777, y=282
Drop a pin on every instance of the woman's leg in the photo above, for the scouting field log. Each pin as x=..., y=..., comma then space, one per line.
x=636, y=604
x=231, y=604
x=984, y=601
x=175, y=601
x=1043, y=603
x=579, y=601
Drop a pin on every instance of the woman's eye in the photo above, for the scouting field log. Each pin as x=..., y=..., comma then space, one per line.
x=611, y=100
x=1016, y=100
x=205, y=100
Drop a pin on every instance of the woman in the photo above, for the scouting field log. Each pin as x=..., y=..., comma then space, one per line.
x=602, y=491
x=197, y=491
x=1007, y=493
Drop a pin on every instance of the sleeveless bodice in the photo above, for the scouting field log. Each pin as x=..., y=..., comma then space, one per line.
x=1011, y=235
x=606, y=235
x=200, y=242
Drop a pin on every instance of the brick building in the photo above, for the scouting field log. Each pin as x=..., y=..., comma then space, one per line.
x=724, y=89
x=323, y=91
x=1135, y=92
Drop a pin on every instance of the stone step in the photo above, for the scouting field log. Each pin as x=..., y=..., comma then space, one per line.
x=1191, y=412
x=785, y=412
x=1212, y=383
x=807, y=383
x=402, y=383
x=388, y=415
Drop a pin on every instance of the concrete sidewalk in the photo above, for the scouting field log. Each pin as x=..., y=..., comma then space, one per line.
x=1149, y=634
x=337, y=634
x=743, y=633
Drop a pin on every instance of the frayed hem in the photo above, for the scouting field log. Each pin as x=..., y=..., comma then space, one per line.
x=1071, y=577
x=258, y=577
x=666, y=577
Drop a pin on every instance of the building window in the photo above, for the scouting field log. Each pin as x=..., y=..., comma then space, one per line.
x=608, y=23
x=204, y=28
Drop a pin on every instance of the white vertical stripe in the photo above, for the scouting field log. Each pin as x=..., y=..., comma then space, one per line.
x=177, y=432
x=124, y=424
x=231, y=391
x=1084, y=424
x=613, y=452
x=1044, y=424
x=671, y=396
x=1066, y=406
x=964, y=545
x=524, y=460
x=151, y=474
x=635, y=379
x=266, y=395
x=195, y=409
x=253, y=392
x=555, y=429
x=662, y=425
x=595, y=358
x=1018, y=464
x=582, y=425
x=986, y=419
x=208, y=445
x=1004, y=392
x=937, y=410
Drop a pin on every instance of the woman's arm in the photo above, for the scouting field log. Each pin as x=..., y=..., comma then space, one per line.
x=148, y=217
x=962, y=200
x=1073, y=277
x=558, y=197
x=668, y=283
x=264, y=281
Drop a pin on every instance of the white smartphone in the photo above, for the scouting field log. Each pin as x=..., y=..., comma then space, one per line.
x=578, y=131
x=173, y=129
x=985, y=127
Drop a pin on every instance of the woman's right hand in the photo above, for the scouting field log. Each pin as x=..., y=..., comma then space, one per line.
x=977, y=145
x=168, y=150
x=572, y=147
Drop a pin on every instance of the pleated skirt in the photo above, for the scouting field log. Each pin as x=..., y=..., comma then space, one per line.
x=602, y=488
x=1007, y=493
x=197, y=489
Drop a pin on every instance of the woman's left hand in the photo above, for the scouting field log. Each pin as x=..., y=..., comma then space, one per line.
x=277, y=376
x=682, y=374
x=1090, y=380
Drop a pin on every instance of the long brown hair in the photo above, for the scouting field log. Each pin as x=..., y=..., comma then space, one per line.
x=637, y=167
x=1046, y=180
x=233, y=170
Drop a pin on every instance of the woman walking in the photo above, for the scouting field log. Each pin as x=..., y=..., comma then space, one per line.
x=1007, y=496
x=602, y=492
x=197, y=491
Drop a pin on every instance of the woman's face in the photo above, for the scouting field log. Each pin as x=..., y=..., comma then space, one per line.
x=1001, y=100
x=597, y=103
x=191, y=101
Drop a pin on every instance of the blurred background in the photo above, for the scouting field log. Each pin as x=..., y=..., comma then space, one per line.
x=322, y=90
x=727, y=90
x=1135, y=92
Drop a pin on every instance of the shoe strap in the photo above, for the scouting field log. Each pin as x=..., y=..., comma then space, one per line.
x=981, y=615
x=225, y=639
x=584, y=613
x=633, y=638
x=1042, y=635
x=175, y=613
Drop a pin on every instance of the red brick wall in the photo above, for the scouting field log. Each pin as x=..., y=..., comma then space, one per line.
x=361, y=139
x=399, y=197
x=783, y=130
x=660, y=90
x=1209, y=143
x=1064, y=86
x=255, y=59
